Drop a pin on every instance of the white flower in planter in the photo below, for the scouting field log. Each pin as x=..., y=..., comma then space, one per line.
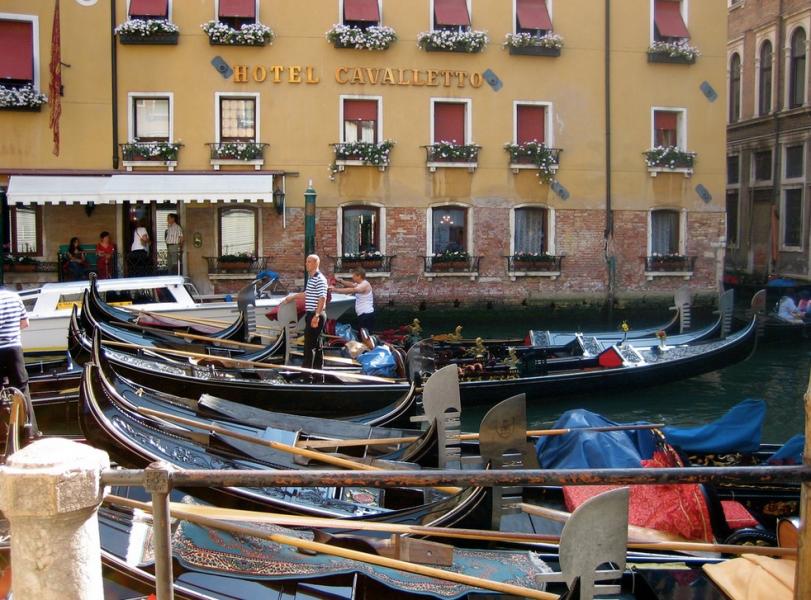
x=21, y=97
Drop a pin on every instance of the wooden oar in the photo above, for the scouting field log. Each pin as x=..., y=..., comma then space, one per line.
x=205, y=338
x=235, y=362
x=365, y=557
x=471, y=436
x=336, y=359
x=237, y=515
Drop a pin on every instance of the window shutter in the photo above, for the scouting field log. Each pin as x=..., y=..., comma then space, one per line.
x=533, y=14
x=668, y=20
x=449, y=122
x=531, y=124
x=363, y=11
x=149, y=8
x=451, y=13
x=16, y=50
x=238, y=8
x=360, y=110
x=237, y=231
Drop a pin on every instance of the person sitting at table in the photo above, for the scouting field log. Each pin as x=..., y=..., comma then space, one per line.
x=105, y=250
x=804, y=305
x=787, y=309
x=76, y=260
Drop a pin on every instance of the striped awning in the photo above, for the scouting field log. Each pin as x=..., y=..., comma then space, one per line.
x=43, y=189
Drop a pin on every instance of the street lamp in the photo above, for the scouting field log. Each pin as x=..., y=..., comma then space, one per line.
x=278, y=201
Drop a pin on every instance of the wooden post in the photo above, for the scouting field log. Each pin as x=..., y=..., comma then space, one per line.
x=802, y=578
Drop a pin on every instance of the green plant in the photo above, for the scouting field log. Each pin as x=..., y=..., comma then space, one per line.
x=525, y=40
x=669, y=157
x=450, y=256
x=150, y=150
x=541, y=257
x=236, y=258
x=250, y=34
x=369, y=152
x=375, y=37
x=146, y=27
x=237, y=150
x=453, y=41
x=538, y=154
x=677, y=49
x=452, y=152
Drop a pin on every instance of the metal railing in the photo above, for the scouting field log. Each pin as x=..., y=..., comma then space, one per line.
x=434, y=264
x=669, y=264
x=218, y=266
x=545, y=263
x=379, y=264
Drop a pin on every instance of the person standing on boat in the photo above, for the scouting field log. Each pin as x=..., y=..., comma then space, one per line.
x=139, y=252
x=315, y=304
x=364, y=298
x=13, y=319
x=174, y=243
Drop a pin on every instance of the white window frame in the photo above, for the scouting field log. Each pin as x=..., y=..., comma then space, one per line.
x=784, y=162
x=549, y=134
x=683, y=8
x=768, y=35
x=515, y=15
x=168, y=9
x=681, y=125
x=783, y=221
x=550, y=226
x=217, y=10
x=260, y=251
x=219, y=95
x=131, y=96
x=339, y=229
x=431, y=25
x=341, y=11
x=341, y=129
x=429, y=226
x=801, y=19
x=682, y=228
x=468, y=116
x=34, y=20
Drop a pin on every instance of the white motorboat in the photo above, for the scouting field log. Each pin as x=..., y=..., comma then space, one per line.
x=49, y=307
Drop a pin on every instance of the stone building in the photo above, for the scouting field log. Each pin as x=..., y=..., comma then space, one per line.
x=612, y=183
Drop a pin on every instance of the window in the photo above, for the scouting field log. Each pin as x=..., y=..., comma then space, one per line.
x=361, y=13
x=18, y=47
x=238, y=231
x=664, y=232
x=735, y=88
x=451, y=14
x=796, y=92
x=151, y=120
x=530, y=232
x=668, y=20
x=450, y=122
x=765, y=79
x=733, y=169
x=530, y=123
x=667, y=128
x=149, y=9
x=762, y=165
x=237, y=119
x=448, y=229
x=360, y=230
x=26, y=229
x=360, y=120
x=732, y=217
x=792, y=215
x=794, y=161
x=532, y=16
x=237, y=13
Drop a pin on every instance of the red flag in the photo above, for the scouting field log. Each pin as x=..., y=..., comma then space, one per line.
x=55, y=89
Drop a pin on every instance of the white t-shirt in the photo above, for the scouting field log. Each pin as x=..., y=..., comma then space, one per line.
x=787, y=309
x=137, y=244
x=364, y=300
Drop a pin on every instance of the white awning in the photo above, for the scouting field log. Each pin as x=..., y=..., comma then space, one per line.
x=43, y=189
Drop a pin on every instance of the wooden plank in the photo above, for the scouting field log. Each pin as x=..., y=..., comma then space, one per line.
x=802, y=579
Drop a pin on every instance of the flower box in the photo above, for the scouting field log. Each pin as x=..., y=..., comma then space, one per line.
x=157, y=39
x=534, y=265
x=450, y=265
x=37, y=108
x=661, y=57
x=678, y=52
x=452, y=41
x=251, y=34
x=235, y=266
x=533, y=51
x=375, y=37
x=24, y=98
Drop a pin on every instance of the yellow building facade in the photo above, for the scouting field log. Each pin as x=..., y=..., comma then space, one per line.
x=238, y=132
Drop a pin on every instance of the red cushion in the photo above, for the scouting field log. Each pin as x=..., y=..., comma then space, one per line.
x=737, y=516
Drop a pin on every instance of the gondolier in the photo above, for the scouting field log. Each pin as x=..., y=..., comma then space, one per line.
x=315, y=301
x=13, y=319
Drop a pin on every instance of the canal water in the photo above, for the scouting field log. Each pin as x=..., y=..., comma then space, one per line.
x=777, y=373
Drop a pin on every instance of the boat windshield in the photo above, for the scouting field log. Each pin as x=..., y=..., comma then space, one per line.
x=138, y=296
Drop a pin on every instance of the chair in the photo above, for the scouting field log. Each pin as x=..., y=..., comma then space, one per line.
x=595, y=535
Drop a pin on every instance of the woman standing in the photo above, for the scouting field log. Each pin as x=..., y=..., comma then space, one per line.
x=105, y=251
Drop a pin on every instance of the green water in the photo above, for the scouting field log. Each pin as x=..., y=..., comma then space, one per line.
x=776, y=373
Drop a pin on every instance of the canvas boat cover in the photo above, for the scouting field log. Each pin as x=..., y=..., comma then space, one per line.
x=752, y=577
x=739, y=430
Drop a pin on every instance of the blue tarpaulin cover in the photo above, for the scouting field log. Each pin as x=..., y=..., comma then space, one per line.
x=737, y=431
x=791, y=453
x=580, y=450
x=378, y=361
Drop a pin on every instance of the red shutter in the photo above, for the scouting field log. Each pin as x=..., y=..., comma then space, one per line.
x=533, y=14
x=245, y=9
x=360, y=110
x=531, y=125
x=451, y=12
x=16, y=50
x=149, y=8
x=449, y=122
x=365, y=11
x=667, y=17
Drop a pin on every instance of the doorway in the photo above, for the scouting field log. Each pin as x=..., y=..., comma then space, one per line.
x=761, y=232
x=152, y=217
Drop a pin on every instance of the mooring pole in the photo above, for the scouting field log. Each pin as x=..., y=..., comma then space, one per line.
x=157, y=482
x=309, y=223
x=802, y=578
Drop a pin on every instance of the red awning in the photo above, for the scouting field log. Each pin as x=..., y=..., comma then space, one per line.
x=16, y=50
x=238, y=8
x=667, y=17
x=449, y=122
x=360, y=110
x=365, y=11
x=531, y=124
x=451, y=12
x=149, y=8
x=533, y=14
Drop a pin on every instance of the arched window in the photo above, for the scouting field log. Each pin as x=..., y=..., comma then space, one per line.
x=735, y=88
x=797, y=69
x=765, y=77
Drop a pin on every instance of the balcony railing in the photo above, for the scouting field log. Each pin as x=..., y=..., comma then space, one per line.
x=379, y=264
x=544, y=263
x=150, y=154
x=220, y=265
x=237, y=153
x=449, y=155
x=678, y=265
x=440, y=265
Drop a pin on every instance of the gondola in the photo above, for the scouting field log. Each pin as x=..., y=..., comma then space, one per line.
x=590, y=366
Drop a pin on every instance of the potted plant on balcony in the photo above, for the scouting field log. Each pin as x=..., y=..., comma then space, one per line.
x=668, y=262
x=250, y=34
x=669, y=157
x=534, y=261
x=679, y=52
x=538, y=154
x=235, y=262
x=443, y=151
x=527, y=44
x=368, y=259
x=237, y=151
x=445, y=40
x=375, y=37
x=21, y=98
x=150, y=151
x=147, y=31
x=450, y=260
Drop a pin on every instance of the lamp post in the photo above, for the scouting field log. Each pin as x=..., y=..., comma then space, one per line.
x=309, y=222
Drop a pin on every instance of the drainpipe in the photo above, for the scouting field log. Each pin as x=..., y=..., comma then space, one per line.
x=608, y=234
x=114, y=81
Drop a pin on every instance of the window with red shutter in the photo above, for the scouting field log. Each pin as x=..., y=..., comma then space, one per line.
x=530, y=123
x=149, y=9
x=449, y=122
x=360, y=121
x=361, y=12
x=668, y=21
x=451, y=14
x=666, y=128
x=237, y=13
x=16, y=52
x=532, y=16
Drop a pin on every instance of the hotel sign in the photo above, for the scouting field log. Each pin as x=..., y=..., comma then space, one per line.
x=359, y=76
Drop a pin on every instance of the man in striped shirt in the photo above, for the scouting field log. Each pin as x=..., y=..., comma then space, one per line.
x=13, y=319
x=315, y=303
